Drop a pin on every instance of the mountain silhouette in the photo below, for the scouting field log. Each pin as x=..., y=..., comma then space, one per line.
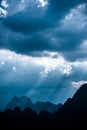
x=24, y=102
x=74, y=110
x=71, y=115
x=79, y=101
x=21, y=102
x=46, y=106
x=80, y=97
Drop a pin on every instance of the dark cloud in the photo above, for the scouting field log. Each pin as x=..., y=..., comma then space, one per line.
x=34, y=43
x=33, y=30
x=25, y=44
x=26, y=25
x=58, y=8
x=35, y=19
x=68, y=44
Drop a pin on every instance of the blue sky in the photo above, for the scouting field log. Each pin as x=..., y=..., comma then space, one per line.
x=43, y=49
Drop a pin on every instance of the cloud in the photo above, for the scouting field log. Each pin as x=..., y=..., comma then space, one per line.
x=3, y=9
x=17, y=71
x=26, y=24
x=78, y=84
x=26, y=16
x=3, y=13
x=42, y=49
x=32, y=34
x=76, y=14
x=41, y=79
x=4, y=4
x=43, y=3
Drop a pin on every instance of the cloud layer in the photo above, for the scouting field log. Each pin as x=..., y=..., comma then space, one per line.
x=43, y=47
x=41, y=79
x=35, y=26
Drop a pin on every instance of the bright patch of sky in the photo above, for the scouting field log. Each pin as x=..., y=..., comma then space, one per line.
x=43, y=3
x=49, y=63
x=4, y=4
x=3, y=13
x=78, y=84
x=10, y=7
x=83, y=46
x=14, y=68
x=76, y=14
x=3, y=8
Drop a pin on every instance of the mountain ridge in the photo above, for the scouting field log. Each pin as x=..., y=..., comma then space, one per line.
x=73, y=114
x=74, y=110
x=24, y=102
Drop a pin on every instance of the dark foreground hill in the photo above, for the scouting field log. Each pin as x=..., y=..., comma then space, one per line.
x=74, y=111
x=72, y=115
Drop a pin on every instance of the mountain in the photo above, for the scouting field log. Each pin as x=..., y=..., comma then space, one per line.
x=74, y=110
x=21, y=102
x=79, y=101
x=71, y=115
x=24, y=102
x=47, y=106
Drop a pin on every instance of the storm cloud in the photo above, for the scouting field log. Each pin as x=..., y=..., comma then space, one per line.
x=43, y=49
x=31, y=26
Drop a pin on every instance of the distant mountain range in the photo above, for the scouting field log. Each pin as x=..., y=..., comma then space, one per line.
x=24, y=102
x=71, y=115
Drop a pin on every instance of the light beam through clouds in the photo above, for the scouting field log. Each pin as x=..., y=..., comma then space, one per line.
x=43, y=47
x=46, y=73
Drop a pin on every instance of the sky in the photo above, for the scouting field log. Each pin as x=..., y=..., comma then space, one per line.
x=43, y=49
